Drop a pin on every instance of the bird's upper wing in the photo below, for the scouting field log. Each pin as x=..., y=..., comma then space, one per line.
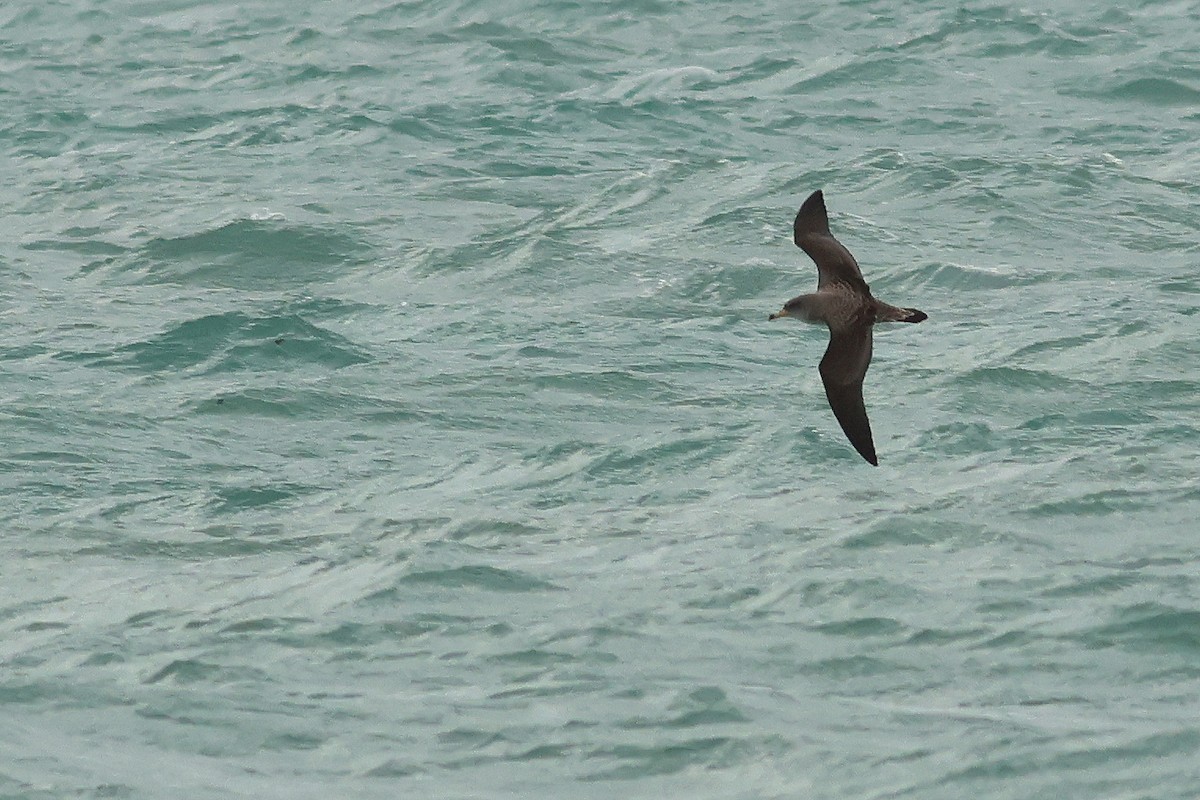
x=811, y=233
x=842, y=371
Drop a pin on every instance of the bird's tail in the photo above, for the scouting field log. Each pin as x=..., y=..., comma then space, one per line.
x=886, y=313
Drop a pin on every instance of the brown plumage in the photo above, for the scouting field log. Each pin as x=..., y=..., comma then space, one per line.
x=843, y=303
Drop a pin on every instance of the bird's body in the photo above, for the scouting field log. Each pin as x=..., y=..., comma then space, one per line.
x=842, y=302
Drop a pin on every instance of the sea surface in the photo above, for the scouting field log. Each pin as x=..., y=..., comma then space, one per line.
x=389, y=407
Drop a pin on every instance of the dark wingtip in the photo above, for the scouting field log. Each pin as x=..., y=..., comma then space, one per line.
x=812, y=217
x=865, y=449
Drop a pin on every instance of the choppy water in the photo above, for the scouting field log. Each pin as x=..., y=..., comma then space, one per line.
x=389, y=407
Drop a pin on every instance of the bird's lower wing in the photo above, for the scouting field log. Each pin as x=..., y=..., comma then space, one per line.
x=842, y=371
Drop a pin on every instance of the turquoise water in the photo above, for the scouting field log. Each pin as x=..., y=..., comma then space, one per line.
x=390, y=410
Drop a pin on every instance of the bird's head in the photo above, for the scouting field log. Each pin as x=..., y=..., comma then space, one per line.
x=794, y=308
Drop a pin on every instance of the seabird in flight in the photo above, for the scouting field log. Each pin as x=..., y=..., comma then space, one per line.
x=844, y=303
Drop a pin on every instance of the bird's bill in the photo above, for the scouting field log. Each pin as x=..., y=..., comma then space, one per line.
x=780, y=313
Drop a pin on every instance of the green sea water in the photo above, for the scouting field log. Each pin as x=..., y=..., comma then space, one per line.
x=390, y=408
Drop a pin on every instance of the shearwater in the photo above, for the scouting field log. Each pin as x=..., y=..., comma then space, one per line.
x=844, y=303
